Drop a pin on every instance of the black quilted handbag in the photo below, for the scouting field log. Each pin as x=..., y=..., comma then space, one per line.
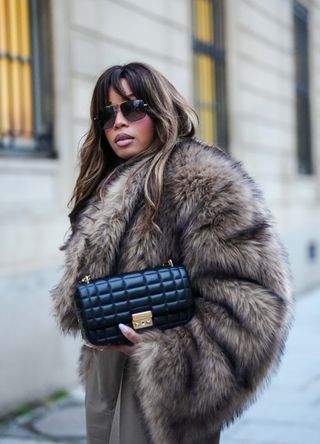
x=157, y=297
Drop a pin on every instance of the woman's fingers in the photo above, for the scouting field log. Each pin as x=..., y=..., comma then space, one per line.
x=97, y=347
x=130, y=334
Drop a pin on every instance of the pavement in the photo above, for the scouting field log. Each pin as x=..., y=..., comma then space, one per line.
x=288, y=412
x=61, y=422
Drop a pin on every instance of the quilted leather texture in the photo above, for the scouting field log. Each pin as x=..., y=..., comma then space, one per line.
x=104, y=303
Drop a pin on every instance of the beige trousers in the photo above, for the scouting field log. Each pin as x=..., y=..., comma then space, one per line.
x=110, y=402
x=112, y=414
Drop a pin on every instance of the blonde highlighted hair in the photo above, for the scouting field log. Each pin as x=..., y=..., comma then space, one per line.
x=173, y=117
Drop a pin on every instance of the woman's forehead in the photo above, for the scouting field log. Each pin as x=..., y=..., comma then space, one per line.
x=123, y=91
x=115, y=97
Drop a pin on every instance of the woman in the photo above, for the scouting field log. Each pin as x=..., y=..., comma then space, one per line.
x=148, y=191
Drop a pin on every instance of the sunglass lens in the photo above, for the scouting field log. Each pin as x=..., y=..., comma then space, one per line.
x=133, y=110
x=108, y=117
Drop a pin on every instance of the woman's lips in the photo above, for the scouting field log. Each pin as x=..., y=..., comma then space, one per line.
x=123, y=139
x=124, y=142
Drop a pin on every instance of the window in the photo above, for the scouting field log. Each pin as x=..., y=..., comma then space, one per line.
x=301, y=39
x=209, y=70
x=25, y=80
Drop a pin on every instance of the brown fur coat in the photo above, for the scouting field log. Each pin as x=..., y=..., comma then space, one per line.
x=191, y=380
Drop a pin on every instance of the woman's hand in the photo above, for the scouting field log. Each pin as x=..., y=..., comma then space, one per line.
x=129, y=333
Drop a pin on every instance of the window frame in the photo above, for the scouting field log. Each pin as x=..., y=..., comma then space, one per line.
x=217, y=52
x=301, y=37
x=41, y=145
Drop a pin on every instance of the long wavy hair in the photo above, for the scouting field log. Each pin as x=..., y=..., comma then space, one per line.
x=173, y=118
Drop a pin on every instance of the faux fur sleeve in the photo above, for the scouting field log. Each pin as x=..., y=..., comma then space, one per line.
x=62, y=294
x=195, y=379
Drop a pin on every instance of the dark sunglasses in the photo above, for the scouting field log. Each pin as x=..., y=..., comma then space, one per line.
x=132, y=110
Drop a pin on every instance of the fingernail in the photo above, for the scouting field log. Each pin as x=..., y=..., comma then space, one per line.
x=124, y=328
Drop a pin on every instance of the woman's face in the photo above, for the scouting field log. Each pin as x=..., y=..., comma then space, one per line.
x=127, y=139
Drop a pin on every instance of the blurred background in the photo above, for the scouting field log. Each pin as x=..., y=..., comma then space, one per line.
x=250, y=67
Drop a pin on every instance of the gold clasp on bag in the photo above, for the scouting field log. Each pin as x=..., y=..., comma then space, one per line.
x=142, y=320
x=86, y=279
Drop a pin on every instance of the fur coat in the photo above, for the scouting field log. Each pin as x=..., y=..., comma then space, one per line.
x=193, y=380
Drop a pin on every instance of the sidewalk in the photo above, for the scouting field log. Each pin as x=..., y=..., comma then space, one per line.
x=287, y=413
x=59, y=422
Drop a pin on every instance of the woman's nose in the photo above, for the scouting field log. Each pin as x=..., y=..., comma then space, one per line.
x=120, y=119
